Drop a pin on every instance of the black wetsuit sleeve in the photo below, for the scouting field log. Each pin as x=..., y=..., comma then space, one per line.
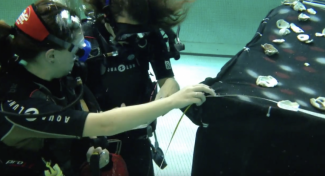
x=162, y=68
x=68, y=123
x=160, y=61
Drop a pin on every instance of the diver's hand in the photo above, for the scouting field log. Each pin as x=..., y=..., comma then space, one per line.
x=191, y=95
x=104, y=155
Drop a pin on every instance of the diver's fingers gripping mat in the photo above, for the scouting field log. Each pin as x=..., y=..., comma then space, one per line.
x=250, y=136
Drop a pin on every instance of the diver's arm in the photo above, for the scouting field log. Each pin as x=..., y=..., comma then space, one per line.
x=170, y=81
x=168, y=86
x=123, y=119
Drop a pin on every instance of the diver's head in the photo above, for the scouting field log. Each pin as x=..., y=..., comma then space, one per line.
x=156, y=13
x=47, y=37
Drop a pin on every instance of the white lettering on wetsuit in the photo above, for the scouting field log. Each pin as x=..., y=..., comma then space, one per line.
x=121, y=68
x=14, y=106
x=14, y=163
x=58, y=118
x=21, y=110
x=168, y=65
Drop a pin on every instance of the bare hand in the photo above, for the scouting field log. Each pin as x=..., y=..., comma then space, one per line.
x=103, y=154
x=191, y=95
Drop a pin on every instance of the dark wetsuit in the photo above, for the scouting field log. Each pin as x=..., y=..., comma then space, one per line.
x=27, y=140
x=125, y=79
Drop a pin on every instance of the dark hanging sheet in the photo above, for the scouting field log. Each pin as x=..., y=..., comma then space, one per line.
x=249, y=134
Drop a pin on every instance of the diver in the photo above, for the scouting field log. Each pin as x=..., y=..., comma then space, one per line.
x=47, y=114
x=125, y=36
